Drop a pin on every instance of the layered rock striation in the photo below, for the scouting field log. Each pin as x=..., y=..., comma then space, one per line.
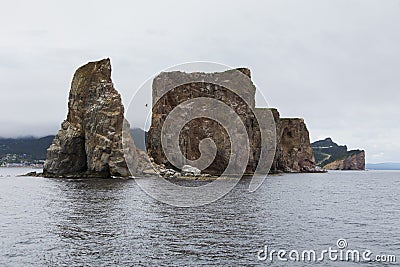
x=89, y=143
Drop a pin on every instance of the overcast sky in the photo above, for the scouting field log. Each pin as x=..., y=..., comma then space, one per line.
x=335, y=63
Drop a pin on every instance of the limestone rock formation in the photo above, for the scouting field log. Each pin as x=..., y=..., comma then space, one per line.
x=293, y=154
x=186, y=86
x=332, y=156
x=89, y=143
x=293, y=150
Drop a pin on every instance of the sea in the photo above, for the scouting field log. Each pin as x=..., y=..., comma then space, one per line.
x=291, y=220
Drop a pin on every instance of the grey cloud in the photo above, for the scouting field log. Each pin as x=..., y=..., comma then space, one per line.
x=335, y=63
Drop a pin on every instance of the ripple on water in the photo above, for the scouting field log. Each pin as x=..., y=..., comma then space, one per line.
x=95, y=222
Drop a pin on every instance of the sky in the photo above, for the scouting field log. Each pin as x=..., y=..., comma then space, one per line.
x=335, y=63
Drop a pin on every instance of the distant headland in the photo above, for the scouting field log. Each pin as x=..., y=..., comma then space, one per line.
x=332, y=156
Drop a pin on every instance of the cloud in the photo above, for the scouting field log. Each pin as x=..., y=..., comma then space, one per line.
x=335, y=63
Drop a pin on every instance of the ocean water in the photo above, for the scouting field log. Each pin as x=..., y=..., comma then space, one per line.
x=112, y=222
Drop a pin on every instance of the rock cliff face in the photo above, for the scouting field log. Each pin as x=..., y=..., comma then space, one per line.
x=89, y=143
x=293, y=153
x=353, y=162
x=332, y=156
x=186, y=86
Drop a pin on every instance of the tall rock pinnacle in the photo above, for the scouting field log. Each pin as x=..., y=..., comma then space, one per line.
x=89, y=143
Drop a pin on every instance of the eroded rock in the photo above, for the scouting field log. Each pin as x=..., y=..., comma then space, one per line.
x=171, y=89
x=350, y=163
x=89, y=143
x=293, y=149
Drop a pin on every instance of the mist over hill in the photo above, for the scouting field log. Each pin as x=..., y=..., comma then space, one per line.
x=31, y=149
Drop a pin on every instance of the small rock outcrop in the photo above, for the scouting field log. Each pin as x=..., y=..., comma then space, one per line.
x=190, y=170
x=332, y=156
x=89, y=143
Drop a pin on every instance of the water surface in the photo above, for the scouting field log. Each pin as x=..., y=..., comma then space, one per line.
x=112, y=222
